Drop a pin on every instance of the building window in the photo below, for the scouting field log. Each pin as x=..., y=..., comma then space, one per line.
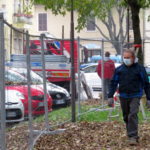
x=42, y=21
x=18, y=45
x=91, y=24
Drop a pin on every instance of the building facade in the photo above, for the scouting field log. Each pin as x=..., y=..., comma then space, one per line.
x=25, y=16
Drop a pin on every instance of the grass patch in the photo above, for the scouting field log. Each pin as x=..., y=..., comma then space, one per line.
x=64, y=114
x=57, y=115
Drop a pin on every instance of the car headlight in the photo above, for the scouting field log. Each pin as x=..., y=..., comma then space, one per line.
x=13, y=97
x=14, y=94
x=67, y=93
x=20, y=95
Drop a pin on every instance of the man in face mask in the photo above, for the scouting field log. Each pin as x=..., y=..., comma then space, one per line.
x=128, y=58
x=130, y=78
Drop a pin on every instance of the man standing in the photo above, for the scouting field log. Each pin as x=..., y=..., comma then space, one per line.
x=130, y=78
x=109, y=68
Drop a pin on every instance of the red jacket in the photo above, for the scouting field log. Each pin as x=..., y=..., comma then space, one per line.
x=109, y=69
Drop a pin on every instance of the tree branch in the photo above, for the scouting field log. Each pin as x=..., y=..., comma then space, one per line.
x=113, y=22
x=107, y=38
x=109, y=30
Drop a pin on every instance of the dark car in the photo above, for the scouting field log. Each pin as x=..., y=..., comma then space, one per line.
x=59, y=95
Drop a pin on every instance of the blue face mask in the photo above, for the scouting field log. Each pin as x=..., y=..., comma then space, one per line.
x=127, y=62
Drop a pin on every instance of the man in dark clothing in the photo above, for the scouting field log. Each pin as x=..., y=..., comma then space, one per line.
x=130, y=78
x=109, y=69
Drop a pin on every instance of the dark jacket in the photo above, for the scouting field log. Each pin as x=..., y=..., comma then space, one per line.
x=131, y=81
x=109, y=69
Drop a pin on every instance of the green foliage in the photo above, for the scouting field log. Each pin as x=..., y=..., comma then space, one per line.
x=88, y=8
x=85, y=8
x=56, y=6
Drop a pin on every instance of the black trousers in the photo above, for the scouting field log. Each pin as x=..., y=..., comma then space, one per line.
x=106, y=88
x=130, y=109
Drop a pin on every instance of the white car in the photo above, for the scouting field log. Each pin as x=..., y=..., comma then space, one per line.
x=93, y=80
x=13, y=106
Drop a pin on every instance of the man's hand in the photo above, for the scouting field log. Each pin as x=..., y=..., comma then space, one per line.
x=110, y=102
x=148, y=104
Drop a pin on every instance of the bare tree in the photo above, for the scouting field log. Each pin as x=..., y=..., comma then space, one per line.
x=116, y=34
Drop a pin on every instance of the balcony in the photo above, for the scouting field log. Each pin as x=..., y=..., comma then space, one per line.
x=23, y=18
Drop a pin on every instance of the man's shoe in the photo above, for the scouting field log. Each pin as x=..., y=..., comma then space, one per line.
x=132, y=141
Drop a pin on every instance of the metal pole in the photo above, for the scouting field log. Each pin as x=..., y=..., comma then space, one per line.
x=29, y=93
x=102, y=66
x=143, y=36
x=128, y=26
x=72, y=63
x=79, y=79
x=2, y=86
x=44, y=81
x=11, y=34
x=62, y=47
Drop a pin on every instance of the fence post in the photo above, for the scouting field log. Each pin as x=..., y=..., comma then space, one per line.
x=2, y=86
x=73, y=103
x=79, y=79
x=102, y=66
x=29, y=93
x=44, y=81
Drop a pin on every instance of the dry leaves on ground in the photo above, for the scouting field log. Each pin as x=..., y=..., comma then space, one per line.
x=80, y=136
x=93, y=136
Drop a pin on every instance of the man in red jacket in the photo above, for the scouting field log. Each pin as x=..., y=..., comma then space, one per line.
x=109, y=69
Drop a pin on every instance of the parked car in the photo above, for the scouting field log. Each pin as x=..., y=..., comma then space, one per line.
x=60, y=96
x=14, y=106
x=92, y=78
x=15, y=81
x=115, y=58
x=148, y=72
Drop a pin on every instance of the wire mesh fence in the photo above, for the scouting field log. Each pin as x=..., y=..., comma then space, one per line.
x=29, y=65
x=35, y=83
x=90, y=85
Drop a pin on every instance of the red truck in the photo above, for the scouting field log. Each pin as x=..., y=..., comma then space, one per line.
x=57, y=60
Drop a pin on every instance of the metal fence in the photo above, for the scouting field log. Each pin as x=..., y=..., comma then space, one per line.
x=26, y=96
x=90, y=85
x=26, y=64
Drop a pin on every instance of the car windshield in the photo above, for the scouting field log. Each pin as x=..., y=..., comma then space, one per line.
x=14, y=78
x=90, y=69
x=35, y=78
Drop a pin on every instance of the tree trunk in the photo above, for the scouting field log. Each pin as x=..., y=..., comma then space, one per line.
x=117, y=47
x=135, y=9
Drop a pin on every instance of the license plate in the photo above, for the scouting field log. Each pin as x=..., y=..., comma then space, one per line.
x=11, y=114
x=41, y=104
x=60, y=102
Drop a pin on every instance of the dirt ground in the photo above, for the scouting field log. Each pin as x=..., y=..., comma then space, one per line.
x=81, y=136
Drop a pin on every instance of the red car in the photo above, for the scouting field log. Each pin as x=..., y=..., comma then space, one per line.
x=14, y=81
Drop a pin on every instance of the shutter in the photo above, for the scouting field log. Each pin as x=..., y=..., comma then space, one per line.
x=42, y=22
x=90, y=26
